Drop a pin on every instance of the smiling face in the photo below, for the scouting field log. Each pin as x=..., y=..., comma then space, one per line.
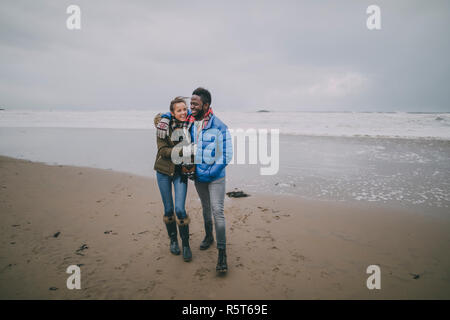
x=179, y=111
x=198, y=108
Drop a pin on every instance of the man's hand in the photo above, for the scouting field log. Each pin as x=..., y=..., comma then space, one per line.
x=162, y=128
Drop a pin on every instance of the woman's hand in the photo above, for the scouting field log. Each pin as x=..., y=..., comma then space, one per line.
x=162, y=128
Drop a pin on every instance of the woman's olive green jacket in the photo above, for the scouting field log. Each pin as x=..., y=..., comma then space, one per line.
x=163, y=162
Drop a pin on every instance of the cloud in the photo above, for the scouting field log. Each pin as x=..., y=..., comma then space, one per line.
x=281, y=55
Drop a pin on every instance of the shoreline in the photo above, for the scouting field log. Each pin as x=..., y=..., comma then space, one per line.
x=306, y=135
x=437, y=212
x=279, y=247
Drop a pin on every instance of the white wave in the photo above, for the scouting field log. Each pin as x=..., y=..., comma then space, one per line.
x=342, y=124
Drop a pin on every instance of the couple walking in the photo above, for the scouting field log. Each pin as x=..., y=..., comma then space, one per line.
x=193, y=144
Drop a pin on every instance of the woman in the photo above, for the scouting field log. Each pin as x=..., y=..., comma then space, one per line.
x=169, y=173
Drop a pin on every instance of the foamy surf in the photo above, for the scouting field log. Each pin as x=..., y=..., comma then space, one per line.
x=327, y=124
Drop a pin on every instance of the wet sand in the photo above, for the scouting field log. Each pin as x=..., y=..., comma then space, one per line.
x=279, y=247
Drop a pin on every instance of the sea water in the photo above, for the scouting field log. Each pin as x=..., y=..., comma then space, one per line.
x=400, y=159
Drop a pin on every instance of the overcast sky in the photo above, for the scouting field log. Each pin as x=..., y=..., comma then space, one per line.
x=276, y=55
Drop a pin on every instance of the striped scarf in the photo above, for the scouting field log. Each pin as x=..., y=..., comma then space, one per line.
x=175, y=124
x=184, y=126
x=205, y=119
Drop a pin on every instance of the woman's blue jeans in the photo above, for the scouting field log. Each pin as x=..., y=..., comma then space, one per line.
x=165, y=187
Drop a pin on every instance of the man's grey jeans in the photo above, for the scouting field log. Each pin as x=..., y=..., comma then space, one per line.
x=212, y=196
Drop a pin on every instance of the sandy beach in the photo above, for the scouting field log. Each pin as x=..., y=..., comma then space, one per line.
x=279, y=247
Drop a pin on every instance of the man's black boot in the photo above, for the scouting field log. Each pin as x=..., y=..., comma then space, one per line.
x=171, y=226
x=183, y=227
x=209, y=239
x=222, y=261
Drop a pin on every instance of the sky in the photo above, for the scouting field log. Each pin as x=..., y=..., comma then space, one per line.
x=251, y=55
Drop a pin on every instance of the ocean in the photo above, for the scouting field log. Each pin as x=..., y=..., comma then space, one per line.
x=395, y=159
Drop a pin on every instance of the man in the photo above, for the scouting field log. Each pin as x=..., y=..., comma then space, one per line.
x=213, y=152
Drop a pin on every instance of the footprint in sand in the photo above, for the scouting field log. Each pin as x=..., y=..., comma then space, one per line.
x=9, y=266
x=201, y=273
x=151, y=285
x=324, y=274
x=123, y=266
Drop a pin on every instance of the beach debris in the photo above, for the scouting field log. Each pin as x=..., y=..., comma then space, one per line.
x=53, y=288
x=285, y=184
x=415, y=276
x=263, y=110
x=237, y=194
x=263, y=209
x=107, y=232
x=8, y=266
x=12, y=242
x=56, y=234
x=439, y=118
x=83, y=247
x=15, y=225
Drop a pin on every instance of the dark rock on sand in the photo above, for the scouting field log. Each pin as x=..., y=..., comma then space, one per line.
x=237, y=194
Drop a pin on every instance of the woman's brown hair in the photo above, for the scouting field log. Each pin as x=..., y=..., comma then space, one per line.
x=177, y=100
